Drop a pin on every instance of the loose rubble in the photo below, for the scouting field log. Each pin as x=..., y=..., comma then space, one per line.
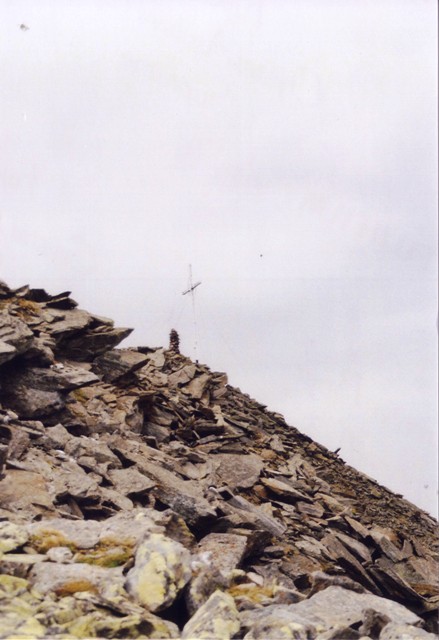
x=141, y=496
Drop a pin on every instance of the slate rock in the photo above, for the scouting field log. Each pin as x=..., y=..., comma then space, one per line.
x=182, y=376
x=33, y=403
x=284, y=490
x=246, y=514
x=54, y=378
x=91, y=343
x=15, y=332
x=130, y=481
x=216, y=619
x=237, y=471
x=183, y=496
x=94, y=410
x=197, y=386
x=60, y=324
x=161, y=570
x=115, y=364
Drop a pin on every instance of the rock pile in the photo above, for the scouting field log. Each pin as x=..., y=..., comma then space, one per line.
x=141, y=496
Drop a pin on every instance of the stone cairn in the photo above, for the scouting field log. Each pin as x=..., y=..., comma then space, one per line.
x=174, y=341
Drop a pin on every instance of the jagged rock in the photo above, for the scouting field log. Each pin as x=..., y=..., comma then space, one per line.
x=83, y=447
x=55, y=437
x=94, y=410
x=115, y=364
x=161, y=570
x=182, y=496
x=19, y=564
x=7, y=351
x=92, y=343
x=61, y=324
x=182, y=376
x=217, y=618
x=54, y=378
x=197, y=386
x=15, y=333
x=33, y=403
x=338, y=551
x=5, y=291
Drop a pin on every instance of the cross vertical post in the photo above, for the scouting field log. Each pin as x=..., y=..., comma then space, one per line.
x=191, y=288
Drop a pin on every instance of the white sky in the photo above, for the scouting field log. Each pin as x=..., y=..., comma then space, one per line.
x=138, y=137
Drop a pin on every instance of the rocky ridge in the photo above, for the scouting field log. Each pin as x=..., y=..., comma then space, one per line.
x=141, y=496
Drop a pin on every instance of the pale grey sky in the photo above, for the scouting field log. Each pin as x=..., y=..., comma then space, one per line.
x=287, y=150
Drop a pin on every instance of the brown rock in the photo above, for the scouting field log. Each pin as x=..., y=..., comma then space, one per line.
x=237, y=471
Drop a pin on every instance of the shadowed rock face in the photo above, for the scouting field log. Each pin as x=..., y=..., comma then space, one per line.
x=141, y=496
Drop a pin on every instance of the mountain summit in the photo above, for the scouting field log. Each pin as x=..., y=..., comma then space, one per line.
x=142, y=496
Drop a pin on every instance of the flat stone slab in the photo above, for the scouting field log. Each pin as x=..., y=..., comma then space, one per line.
x=237, y=471
x=115, y=364
x=223, y=551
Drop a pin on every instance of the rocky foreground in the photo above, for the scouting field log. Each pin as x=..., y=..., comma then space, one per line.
x=141, y=496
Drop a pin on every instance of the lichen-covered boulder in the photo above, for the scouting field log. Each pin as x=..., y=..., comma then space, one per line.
x=102, y=624
x=161, y=570
x=11, y=536
x=217, y=619
x=18, y=608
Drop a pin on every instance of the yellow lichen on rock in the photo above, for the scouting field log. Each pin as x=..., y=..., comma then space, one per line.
x=11, y=536
x=160, y=571
x=217, y=619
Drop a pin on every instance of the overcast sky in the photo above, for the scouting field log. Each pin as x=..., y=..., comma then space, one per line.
x=287, y=151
